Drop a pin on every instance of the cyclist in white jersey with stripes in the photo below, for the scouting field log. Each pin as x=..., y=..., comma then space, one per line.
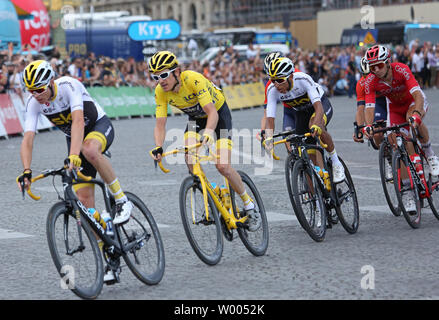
x=313, y=108
x=89, y=132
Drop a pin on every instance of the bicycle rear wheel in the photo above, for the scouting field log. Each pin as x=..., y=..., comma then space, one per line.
x=255, y=241
x=347, y=203
x=204, y=233
x=308, y=201
x=79, y=264
x=146, y=260
x=411, y=189
x=386, y=175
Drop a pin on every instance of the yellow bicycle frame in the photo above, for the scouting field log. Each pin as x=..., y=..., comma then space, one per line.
x=228, y=216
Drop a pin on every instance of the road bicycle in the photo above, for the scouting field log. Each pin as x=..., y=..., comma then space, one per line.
x=200, y=203
x=385, y=164
x=317, y=201
x=420, y=187
x=73, y=232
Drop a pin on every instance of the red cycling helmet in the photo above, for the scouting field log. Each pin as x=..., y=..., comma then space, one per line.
x=376, y=54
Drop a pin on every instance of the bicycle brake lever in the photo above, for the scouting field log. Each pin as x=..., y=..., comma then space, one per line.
x=22, y=189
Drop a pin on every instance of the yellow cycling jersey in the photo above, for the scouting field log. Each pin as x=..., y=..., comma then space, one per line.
x=195, y=92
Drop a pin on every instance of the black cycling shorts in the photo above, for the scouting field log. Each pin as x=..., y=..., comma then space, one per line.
x=223, y=129
x=103, y=131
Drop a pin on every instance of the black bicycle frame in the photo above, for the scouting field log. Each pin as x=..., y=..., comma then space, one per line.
x=114, y=246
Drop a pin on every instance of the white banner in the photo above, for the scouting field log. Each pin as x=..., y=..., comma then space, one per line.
x=2, y=130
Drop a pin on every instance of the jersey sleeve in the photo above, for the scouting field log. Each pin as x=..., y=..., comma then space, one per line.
x=73, y=94
x=412, y=84
x=272, y=96
x=369, y=91
x=31, y=116
x=161, y=102
x=361, y=97
x=199, y=84
x=266, y=88
x=311, y=88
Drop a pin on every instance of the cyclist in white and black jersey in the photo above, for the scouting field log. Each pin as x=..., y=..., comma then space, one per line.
x=89, y=132
x=70, y=95
x=313, y=108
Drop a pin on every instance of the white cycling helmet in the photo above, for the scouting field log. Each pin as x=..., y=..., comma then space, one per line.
x=280, y=68
x=376, y=54
x=364, y=66
x=270, y=57
x=38, y=74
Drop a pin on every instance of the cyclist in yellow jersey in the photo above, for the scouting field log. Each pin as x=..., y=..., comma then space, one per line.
x=209, y=118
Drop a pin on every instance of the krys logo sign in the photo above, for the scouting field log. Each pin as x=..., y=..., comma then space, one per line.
x=154, y=30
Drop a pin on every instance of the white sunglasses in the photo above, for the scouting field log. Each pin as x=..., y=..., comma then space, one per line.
x=163, y=75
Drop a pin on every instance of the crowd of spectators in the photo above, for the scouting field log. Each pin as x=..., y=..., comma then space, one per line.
x=335, y=68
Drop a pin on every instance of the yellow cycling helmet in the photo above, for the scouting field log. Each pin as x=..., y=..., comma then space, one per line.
x=38, y=74
x=280, y=68
x=162, y=60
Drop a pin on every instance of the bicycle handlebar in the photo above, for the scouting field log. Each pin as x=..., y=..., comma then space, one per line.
x=184, y=149
x=291, y=135
x=55, y=172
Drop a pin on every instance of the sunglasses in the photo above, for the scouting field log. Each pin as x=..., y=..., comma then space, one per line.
x=162, y=76
x=280, y=80
x=377, y=66
x=41, y=90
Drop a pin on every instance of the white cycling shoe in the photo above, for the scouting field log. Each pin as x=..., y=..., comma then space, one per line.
x=123, y=212
x=338, y=172
x=409, y=201
x=433, y=163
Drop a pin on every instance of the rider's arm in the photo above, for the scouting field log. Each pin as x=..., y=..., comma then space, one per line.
x=26, y=149
x=272, y=97
x=72, y=94
x=77, y=133
x=315, y=93
x=30, y=126
x=160, y=131
x=419, y=103
x=212, y=118
x=161, y=113
x=318, y=108
x=370, y=95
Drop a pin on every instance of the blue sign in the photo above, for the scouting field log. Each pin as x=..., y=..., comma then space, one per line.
x=154, y=30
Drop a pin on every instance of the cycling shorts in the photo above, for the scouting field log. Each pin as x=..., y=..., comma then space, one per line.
x=102, y=131
x=223, y=130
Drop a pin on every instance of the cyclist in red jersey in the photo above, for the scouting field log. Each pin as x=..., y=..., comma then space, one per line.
x=380, y=114
x=407, y=102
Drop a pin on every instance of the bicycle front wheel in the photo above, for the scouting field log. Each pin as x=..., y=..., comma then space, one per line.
x=308, y=201
x=75, y=252
x=406, y=193
x=433, y=200
x=202, y=230
x=386, y=175
x=255, y=241
x=146, y=260
x=347, y=203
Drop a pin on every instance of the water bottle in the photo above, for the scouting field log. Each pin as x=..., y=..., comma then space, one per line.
x=319, y=171
x=225, y=197
x=97, y=217
x=326, y=179
x=107, y=218
x=416, y=159
x=216, y=188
